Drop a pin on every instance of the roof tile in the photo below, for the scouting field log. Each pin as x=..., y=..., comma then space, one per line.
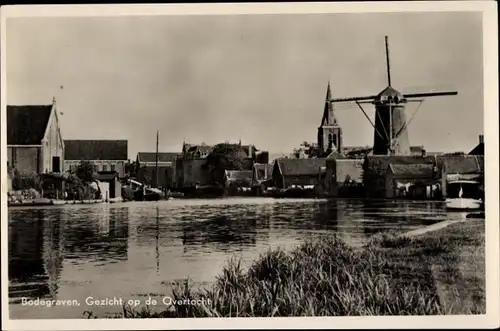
x=96, y=150
x=26, y=125
x=301, y=167
x=162, y=157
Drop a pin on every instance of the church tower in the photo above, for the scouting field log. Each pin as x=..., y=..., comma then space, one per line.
x=330, y=132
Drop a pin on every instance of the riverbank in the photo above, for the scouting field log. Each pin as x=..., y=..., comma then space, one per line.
x=54, y=202
x=438, y=272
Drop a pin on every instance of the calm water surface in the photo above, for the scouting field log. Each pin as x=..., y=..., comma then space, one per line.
x=137, y=249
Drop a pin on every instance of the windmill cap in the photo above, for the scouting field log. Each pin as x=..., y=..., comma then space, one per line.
x=389, y=94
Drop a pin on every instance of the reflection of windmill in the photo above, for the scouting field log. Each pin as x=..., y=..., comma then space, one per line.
x=391, y=135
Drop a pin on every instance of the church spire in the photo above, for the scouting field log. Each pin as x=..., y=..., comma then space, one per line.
x=329, y=118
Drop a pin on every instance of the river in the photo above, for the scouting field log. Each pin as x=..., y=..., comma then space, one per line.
x=137, y=249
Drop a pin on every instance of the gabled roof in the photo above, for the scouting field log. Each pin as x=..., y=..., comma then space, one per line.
x=96, y=150
x=382, y=162
x=478, y=150
x=26, y=125
x=464, y=164
x=151, y=157
x=300, y=167
x=412, y=170
x=335, y=155
x=202, y=149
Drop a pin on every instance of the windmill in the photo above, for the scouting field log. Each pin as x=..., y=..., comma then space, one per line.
x=391, y=127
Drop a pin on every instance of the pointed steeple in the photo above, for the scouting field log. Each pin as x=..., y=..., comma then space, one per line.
x=329, y=118
x=328, y=92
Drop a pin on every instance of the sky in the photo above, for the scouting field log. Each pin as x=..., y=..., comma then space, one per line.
x=258, y=78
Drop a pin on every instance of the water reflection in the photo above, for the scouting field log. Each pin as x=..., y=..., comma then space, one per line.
x=35, y=253
x=98, y=235
x=136, y=248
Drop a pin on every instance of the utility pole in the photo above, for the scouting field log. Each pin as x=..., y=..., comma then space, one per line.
x=156, y=163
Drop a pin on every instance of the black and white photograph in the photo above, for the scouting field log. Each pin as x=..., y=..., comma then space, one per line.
x=210, y=161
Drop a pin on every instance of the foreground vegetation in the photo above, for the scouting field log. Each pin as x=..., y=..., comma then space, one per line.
x=441, y=272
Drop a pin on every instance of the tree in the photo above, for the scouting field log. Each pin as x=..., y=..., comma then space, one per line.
x=132, y=168
x=306, y=150
x=86, y=172
x=223, y=157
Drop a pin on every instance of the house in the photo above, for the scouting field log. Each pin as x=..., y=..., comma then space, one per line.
x=190, y=166
x=104, y=155
x=461, y=167
x=377, y=177
x=191, y=170
x=110, y=185
x=262, y=173
x=297, y=172
x=34, y=140
x=417, y=151
x=237, y=180
x=344, y=177
x=479, y=149
x=415, y=181
x=146, y=168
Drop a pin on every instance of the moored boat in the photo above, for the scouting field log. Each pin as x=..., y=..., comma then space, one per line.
x=466, y=197
x=463, y=204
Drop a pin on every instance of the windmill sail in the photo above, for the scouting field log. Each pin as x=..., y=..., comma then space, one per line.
x=391, y=126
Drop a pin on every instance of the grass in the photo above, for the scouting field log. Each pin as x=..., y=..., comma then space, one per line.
x=441, y=272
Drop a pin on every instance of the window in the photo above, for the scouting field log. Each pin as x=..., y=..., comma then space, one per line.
x=104, y=167
x=330, y=140
x=113, y=167
x=334, y=140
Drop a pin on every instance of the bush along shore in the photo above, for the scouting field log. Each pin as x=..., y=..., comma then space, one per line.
x=440, y=272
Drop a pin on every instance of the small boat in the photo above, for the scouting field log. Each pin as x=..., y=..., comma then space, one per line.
x=463, y=203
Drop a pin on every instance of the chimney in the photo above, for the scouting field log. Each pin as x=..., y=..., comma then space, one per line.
x=424, y=153
x=481, y=139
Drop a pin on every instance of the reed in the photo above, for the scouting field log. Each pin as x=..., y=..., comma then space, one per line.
x=391, y=275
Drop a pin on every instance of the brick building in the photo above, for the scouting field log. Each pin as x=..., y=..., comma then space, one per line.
x=105, y=155
x=146, y=168
x=297, y=172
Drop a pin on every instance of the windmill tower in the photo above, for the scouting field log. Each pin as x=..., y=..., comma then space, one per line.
x=391, y=127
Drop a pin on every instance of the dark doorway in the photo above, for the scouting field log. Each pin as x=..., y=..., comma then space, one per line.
x=112, y=188
x=56, y=164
